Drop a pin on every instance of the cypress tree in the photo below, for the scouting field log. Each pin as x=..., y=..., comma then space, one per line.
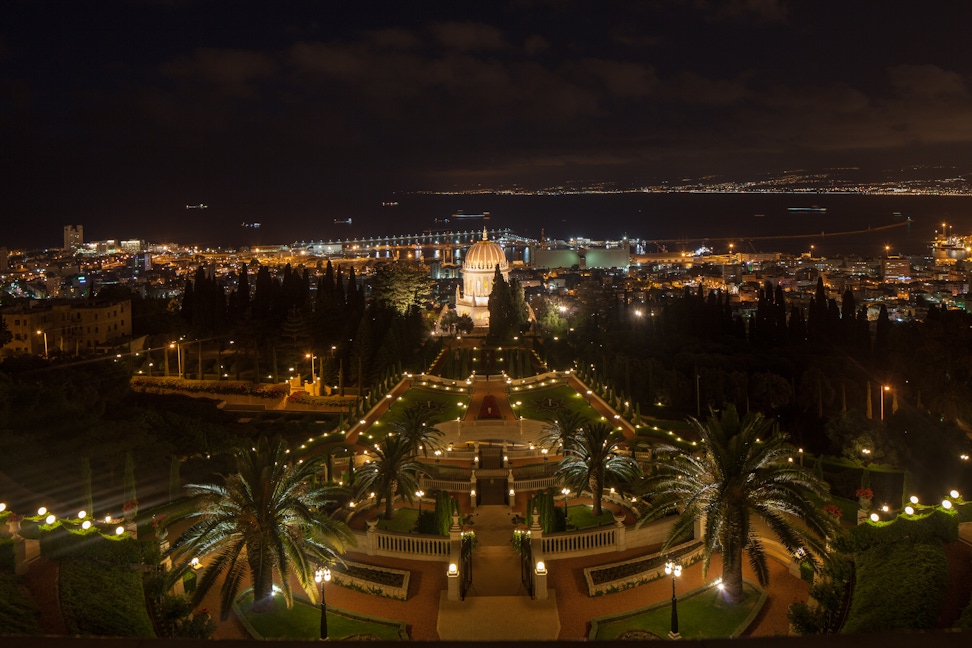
x=175, y=481
x=87, y=500
x=128, y=486
x=243, y=291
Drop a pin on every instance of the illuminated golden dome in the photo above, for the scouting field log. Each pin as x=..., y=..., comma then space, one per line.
x=485, y=255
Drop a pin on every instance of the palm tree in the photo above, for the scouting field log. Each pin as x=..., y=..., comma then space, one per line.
x=415, y=424
x=269, y=516
x=391, y=470
x=592, y=458
x=563, y=428
x=743, y=471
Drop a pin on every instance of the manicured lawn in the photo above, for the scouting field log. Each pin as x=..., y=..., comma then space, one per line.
x=403, y=522
x=579, y=516
x=303, y=621
x=671, y=432
x=543, y=404
x=700, y=615
x=443, y=406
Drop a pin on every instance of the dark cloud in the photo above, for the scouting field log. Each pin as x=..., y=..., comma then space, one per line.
x=770, y=11
x=292, y=102
x=927, y=81
x=469, y=37
x=228, y=71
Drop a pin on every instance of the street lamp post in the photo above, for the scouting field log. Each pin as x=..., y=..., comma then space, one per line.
x=420, y=494
x=674, y=568
x=178, y=349
x=322, y=576
x=44, y=333
x=884, y=390
x=312, y=358
x=565, y=492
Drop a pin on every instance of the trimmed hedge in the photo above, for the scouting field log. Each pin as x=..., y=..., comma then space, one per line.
x=928, y=525
x=103, y=600
x=101, y=593
x=60, y=541
x=900, y=586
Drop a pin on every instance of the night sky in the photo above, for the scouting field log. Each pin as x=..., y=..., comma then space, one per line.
x=116, y=114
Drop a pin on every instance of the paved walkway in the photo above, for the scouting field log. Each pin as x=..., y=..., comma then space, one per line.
x=498, y=618
x=497, y=606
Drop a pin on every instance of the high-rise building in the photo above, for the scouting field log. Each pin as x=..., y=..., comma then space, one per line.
x=73, y=237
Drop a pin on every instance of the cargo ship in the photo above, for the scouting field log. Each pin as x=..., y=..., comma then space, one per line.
x=812, y=210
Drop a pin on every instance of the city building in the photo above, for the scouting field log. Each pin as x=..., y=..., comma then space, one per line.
x=73, y=237
x=478, y=270
x=896, y=268
x=69, y=326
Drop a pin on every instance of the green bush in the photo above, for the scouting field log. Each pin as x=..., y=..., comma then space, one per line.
x=18, y=614
x=425, y=523
x=7, y=560
x=189, y=582
x=830, y=592
x=900, y=586
x=175, y=619
x=965, y=621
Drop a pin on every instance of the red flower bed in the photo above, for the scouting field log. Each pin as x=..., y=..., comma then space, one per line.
x=489, y=408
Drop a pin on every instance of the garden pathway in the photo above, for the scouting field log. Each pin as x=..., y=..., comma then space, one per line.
x=495, y=388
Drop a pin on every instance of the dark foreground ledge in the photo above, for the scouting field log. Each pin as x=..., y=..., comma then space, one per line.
x=938, y=639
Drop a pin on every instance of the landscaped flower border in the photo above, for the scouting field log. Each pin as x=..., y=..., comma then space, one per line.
x=303, y=398
x=637, y=571
x=234, y=387
x=372, y=579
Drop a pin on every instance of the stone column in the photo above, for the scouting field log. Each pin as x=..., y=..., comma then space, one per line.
x=454, y=572
x=372, y=535
x=621, y=542
x=536, y=549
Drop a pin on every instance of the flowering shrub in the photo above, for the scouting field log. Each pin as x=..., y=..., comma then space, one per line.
x=865, y=493
x=521, y=537
x=303, y=398
x=833, y=509
x=237, y=387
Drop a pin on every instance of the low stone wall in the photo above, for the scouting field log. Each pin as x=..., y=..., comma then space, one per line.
x=344, y=579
